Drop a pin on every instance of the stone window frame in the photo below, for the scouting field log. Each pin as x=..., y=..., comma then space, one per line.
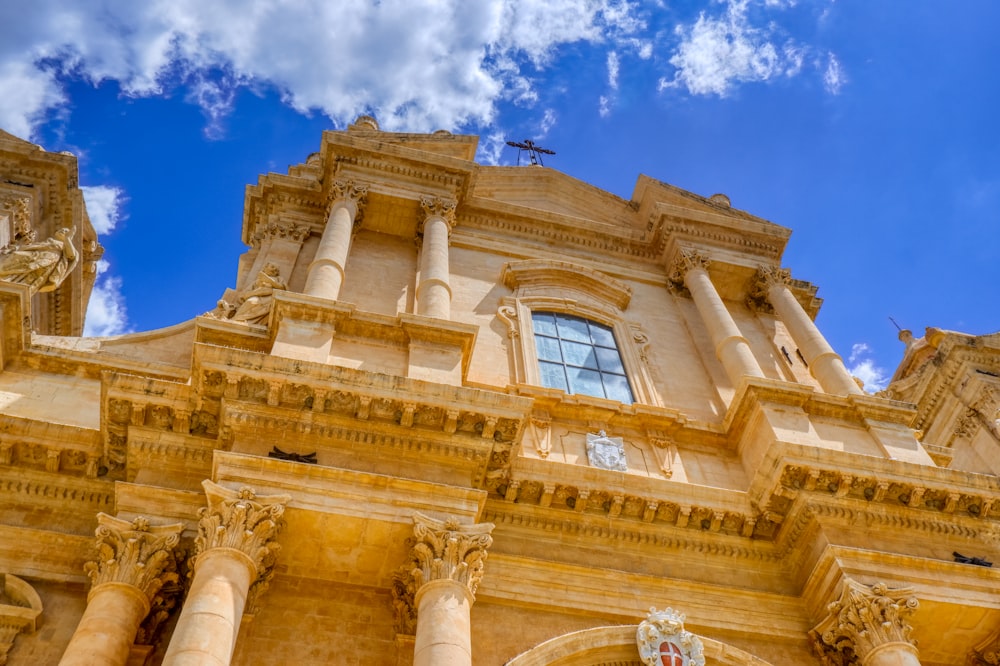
x=559, y=286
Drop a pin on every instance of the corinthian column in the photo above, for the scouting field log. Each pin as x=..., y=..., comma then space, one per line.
x=235, y=546
x=447, y=565
x=434, y=292
x=731, y=348
x=134, y=561
x=824, y=364
x=326, y=272
x=870, y=623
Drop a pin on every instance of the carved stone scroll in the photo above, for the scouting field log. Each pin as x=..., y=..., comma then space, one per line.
x=863, y=619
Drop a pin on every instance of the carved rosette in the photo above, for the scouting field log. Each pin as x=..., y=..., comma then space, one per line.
x=662, y=639
x=446, y=550
x=347, y=191
x=438, y=207
x=863, y=619
x=766, y=277
x=240, y=520
x=134, y=553
x=685, y=261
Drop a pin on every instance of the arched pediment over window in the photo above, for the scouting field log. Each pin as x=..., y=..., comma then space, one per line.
x=616, y=646
x=535, y=277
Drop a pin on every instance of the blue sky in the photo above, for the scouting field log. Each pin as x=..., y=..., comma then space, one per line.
x=869, y=128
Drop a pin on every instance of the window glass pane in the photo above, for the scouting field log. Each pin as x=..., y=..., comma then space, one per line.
x=617, y=388
x=602, y=335
x=553, y=375
x=544, y=323
x=587, y=382
x=609, y=360
x=575, y=353
x=548, y=349
x=572, y=328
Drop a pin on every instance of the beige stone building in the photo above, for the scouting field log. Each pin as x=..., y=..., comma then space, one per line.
x=453, y=414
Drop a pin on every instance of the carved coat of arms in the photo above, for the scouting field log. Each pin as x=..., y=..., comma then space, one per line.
x=663, y=641
x=606, y=452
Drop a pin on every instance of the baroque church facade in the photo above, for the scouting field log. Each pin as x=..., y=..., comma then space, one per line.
x=454, y=414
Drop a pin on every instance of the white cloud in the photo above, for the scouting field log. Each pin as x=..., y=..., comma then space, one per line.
x=603, y=107
x=862, y=366
x=613, y=66
x=418, y=64
x=548, y=122
x=833, y=78
x=104, y=205
x=491, y=148
x=716, y=53
x=106, y=313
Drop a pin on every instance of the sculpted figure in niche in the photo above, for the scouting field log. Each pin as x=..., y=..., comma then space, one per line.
x=42, y=266
x=254, y=306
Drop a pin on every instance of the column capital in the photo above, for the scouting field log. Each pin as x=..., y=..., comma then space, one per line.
x=347, y=192
x=447, y=550
x=134, y=553
x=864, y=619
x=242, y=521
x=685, y=261
x=437, y=207
x=765, y=278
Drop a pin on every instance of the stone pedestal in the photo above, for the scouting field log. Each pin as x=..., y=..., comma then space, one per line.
x=134, y=561
x=234, y=548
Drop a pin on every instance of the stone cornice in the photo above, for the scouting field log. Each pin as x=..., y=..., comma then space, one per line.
x=83, y=494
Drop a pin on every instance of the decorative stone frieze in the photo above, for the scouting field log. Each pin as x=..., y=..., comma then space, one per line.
x=240, y=520
x=447, y=550
x=865, y=619
x=135, y=553
x=277, y=229
x=663, y=641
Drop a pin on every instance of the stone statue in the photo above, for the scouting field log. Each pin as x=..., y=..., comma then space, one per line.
x=42, y=266
x=254, y=306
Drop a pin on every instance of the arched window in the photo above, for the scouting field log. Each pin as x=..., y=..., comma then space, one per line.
x=579, y=356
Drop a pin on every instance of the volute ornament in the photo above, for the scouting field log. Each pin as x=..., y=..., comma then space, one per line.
x=134, y=553
x=866, y=617
x=663, y=641
x=447, y=550
x=242, y=521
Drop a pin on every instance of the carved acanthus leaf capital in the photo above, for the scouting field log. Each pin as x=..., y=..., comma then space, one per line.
x=446, y=550
x=438, y=207
x=242, y=521
x=866, y=617
x=134, y=553
x=346, y=191
x=686, y=260
x=765, y=278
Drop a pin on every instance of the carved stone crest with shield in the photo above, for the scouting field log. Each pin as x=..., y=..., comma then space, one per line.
x=606, y=452
x=663, y=641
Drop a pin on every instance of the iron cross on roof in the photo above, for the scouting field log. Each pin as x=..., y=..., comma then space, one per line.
x=534, y=152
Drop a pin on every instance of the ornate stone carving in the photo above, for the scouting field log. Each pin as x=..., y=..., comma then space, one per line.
x=20, y=608
x=254, y=305
x=350, y=192
x=42, y=266
x=986, y=653
x=447, y=550
x=403, y=593
x=134, y=553
x=438, y=207
x=685, y=261
x=766, y=277
x=18, y=209
x=863, y=619
x=606, y=452
x=280, y=229
x=242, y=521
x=663, y=641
